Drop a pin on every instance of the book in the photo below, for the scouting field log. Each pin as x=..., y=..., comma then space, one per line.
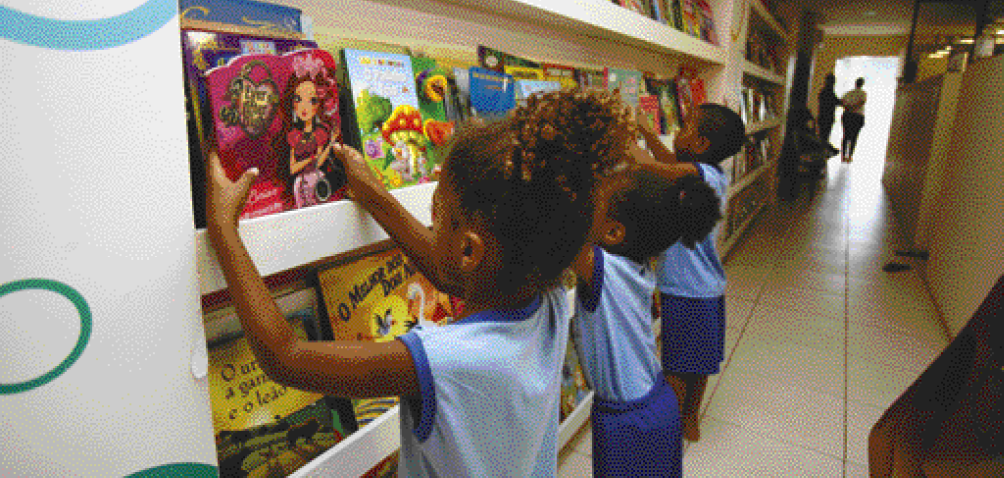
x=674, y=10
x=279, y=113
x=691, y=17
x=432, y=87
x=707, y=23
x=201, y=51
x=684, y=97
x=564, y=75
x=627, y=82
x=526, y=88
x=376, y=298
x=638, y=6
x=657, y=13
x=387, y=468
x=649, y=104
x=386, y=123
x=502, y=62
x=266, y=18
x=591, y=78
x=665, y=91
x=493, y=94
x=262, y=427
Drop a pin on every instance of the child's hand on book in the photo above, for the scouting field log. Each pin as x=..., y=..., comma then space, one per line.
x=361, y=178
x=225, y=198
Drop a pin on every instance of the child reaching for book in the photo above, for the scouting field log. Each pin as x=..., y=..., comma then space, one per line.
x=692, y=281
x=480, y=396
x=639, y=214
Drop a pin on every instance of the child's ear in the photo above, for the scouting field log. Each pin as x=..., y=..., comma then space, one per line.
x=614, y=233
x=472, y=251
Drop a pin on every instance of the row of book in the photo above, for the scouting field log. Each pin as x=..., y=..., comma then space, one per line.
x=279, y=103
x=758, y=104
x=693, y=17
x=762, y=48
x=265, y=429
x=744, y=205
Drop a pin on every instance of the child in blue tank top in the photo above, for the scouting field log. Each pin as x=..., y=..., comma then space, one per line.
x=691, y=280
x=635, y=415
x=480, y=396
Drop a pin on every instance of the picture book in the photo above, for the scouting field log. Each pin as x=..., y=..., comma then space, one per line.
x=279, y=113
x=707, y=22
x=501, y=62
x=691, y=17
x=638, y=6
x=201, y=51
x=676, y=11
x=649, y=104
x=432, y=87
x=657, y=13
x=387, y=468
x=387, y=126
x=377, y=298
x=591, y=78
x=493, y=94
x=664, y=90
x=526, y=88
x=524, y=72
x=263, y=428
x=265, y=17
x=564, y=75
x=684, y=96
x=628, y=82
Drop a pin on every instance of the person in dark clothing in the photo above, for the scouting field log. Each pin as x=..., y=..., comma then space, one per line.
x=853, y=119
x=828, y=102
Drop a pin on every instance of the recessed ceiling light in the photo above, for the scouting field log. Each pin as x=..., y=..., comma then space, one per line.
x=870, y=13
x=966, y=41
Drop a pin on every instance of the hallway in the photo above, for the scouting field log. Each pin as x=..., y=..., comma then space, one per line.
x=820, y=340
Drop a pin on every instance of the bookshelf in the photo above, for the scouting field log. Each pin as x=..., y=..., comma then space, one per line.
x=578, y=33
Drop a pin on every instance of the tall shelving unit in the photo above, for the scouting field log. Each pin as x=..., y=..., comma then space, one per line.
x=586, y=33
x=760, y=36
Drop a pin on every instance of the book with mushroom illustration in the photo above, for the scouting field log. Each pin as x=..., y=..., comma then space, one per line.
x=382, y=101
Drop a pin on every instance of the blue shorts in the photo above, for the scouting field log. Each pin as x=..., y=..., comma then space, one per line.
x=693, y=334
x=638, y=438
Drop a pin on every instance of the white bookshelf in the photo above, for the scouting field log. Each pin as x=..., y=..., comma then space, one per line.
x=762, y=73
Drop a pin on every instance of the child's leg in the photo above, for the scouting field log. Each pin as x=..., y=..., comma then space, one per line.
x=691, y=414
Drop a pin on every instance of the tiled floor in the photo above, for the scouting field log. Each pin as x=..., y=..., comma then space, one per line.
x=820, y=340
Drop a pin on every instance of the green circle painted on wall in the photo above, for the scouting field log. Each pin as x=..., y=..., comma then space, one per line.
x=188, y=470
x=86, y=324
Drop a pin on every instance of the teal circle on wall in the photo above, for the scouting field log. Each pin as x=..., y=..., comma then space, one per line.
x=188, y=470
x=85, y=35
x=86, y=324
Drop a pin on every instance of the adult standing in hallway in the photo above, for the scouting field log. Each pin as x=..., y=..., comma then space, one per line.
x=853, y=119
x=828, y=102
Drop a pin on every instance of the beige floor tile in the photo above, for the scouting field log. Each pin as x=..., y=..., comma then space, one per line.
x=909, y=352
x=908, y=317
x=583, y=442
x=728, y=450
x=737, y=312
x=877, y=384
x=811, y=368
x=861, y=417
x=792, y=278
x=783, y=325
x=809, y=302
x=575, y=465
x=774, y=409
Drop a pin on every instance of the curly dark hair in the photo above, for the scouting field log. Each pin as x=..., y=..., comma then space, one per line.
x=527, y=179
x=657, y=212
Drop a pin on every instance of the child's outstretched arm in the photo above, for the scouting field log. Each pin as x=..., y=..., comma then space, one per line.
x=346, y=369
x=412, y=236
x=652, y=140
x=670, y=170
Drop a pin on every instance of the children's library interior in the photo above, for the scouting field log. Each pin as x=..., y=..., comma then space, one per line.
x=374, y=238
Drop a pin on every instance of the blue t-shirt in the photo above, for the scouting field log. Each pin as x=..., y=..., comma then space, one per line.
x=491, y=388
x=613, y=324
x=696, y=273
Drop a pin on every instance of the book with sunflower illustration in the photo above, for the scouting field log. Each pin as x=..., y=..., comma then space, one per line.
x=433, y=89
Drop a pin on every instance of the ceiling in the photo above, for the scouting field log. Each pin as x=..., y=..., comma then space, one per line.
x=894, y=17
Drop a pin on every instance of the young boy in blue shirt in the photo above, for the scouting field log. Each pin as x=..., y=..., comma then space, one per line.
x=639, y=214
x=691, y=280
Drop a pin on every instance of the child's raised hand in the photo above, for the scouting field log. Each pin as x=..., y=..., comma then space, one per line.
x=361, y=179
x=225, y=199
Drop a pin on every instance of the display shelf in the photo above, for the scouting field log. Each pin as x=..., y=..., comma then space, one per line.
x=754, y=128
x=769, y=19
x=746, y=180
x=603, y=19
x=295, y=238
x=762, y=73
x=575, y=420
x=361, y=451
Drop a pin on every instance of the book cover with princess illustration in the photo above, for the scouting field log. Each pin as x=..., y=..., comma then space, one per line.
x=263, y=428
x=279, y=113
x=203, y=50
x=388, y=126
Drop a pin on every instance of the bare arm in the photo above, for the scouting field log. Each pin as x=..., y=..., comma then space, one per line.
x=411, y=235
x=346, y=369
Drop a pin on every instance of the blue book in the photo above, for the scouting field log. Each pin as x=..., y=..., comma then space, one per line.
x=244, y=13
x=493, y=94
